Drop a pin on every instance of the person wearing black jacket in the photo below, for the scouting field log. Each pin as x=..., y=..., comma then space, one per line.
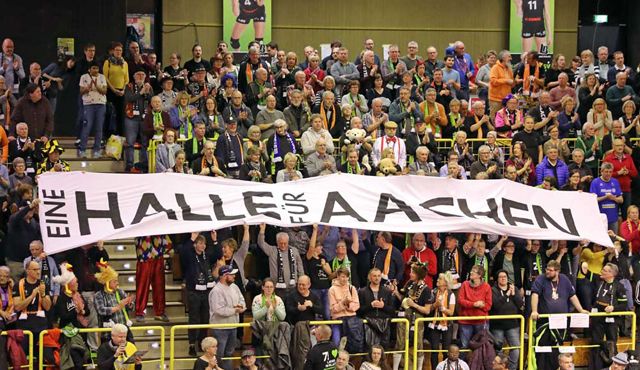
x=324, y=354
x=229, y=149
x=611, y=296
x=505, y=259
x=506, y=300
x=117, y=349
x=376, y=304
x=24, y=228
x=452, y=258
x=302, y=306
x=198, y=278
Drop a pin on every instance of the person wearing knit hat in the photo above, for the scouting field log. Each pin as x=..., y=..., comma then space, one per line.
x=112, y=303
x=52, y=163
x=70, y=307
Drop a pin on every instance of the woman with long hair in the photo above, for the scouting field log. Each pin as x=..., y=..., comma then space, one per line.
x=520, y=159
x=590, y=90
x=601, y=117
x=375, y=359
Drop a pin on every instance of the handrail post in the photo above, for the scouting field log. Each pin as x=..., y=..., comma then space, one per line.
x=40, y=349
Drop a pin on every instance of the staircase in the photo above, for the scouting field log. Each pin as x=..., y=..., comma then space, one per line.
x=122, y=255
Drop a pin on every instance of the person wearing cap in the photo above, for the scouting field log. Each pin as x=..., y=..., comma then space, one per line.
x=229, y=149
x=248, y=360
x=200, y=88
x=112, y=303
x=619, y=362
x=452, y=258
x=136, y=96
x=208, y=360
x=53, y=163
x=93, y=89
x=225, y=304
x=70, y=307
x=390, y=140
x=167, y=94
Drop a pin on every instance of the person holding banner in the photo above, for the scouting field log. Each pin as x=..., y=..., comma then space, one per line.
x=551, y=293
x=285, y=265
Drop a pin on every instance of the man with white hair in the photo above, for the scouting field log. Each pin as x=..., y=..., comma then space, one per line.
x=485, y=164
x=285, y=265
x=113, y=353
x=319, y=162
x=367, y=70
x=603, y=60
x=463, y=63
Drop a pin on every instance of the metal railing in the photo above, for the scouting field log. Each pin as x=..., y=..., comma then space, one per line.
x=423, y=320
x=150, y=330
x=29, y=334
x=172, y=335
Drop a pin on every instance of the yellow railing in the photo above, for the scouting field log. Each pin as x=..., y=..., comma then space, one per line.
x=172, y=333
x=150, y=330
x=632, y=344
x=29, y=334
x=423, y=320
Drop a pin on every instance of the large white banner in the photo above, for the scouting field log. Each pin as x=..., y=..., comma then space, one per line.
x=81, y=208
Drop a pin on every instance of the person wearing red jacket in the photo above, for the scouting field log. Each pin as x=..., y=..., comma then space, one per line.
x=630, y=229
x=419, y=252
x=623, y=170
x=474, y=299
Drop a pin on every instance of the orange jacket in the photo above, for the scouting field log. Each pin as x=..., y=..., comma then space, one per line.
x=4, y=142
x=498, y=87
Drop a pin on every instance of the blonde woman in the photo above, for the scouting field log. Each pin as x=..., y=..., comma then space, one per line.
x=601, y=117
x=289, y=173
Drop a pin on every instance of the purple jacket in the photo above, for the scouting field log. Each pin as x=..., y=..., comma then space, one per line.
x=544, y=169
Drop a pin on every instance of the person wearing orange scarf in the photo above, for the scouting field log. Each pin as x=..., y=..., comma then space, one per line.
x=531, y=75
x=434, y=114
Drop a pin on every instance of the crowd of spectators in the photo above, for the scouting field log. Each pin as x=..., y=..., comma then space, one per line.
x=278, y=118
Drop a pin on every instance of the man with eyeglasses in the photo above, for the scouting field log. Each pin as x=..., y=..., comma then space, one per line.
x=551, y=293
x=239, y=112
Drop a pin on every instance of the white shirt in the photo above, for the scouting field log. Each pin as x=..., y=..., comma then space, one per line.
x=460, y=365
x=93, y=96
x=399, y=150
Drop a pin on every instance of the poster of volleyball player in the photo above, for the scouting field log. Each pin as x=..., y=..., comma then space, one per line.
x=244, y=12
x=531, y=20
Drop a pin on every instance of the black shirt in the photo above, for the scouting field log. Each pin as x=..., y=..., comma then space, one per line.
x=291, y=305
x=323, y=356
x=531, y=140
x=194, y=266
x=319, y=278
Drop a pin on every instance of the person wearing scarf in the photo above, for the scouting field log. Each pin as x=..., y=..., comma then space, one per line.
x=444, y=305
x=230, y=150
x=356, y=100
x=259, y=89
x=7, y=313
x=253, y=140
x=136, y=97
x=183, y=116
x=434, y=114
x=415, y=297
x=508, y=119
x=353, y=165
x=285, y=266
x=343, y=301
x=405, y=112
x=112, y=303
x=418, y=251
x=166, y=152
x=208, y=164
x=451, y=259
x=531, y=75
x=268, y=306
x=332, y=119
x=253, y=169
x=156, y=121
x=298, y=113
x=388, y=259
x=279, y=144
x=48, y=267
x=24, y=147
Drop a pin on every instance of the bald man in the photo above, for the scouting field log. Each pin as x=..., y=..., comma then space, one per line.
x=324, y=354
x=11, y=66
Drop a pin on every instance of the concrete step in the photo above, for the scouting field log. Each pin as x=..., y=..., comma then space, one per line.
x=172, y=292
x=105, y=165
x=128, y=277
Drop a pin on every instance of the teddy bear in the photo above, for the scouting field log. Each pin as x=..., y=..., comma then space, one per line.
x=354, y=136
x=387, y=167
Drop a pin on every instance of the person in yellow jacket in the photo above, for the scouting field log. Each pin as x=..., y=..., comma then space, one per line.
x=115, y=353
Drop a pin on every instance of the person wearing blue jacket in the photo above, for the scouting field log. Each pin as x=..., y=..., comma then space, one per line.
x=552, y=166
